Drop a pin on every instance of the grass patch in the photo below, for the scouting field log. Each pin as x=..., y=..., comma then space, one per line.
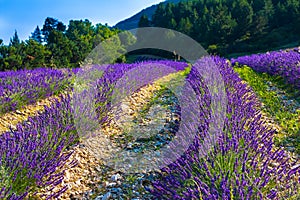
x=274, y=104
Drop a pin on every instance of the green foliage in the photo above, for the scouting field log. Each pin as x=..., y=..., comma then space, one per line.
x=15, y=41
x=235, y=25
x=12, y=56
x=274, y=106
x=37, y=35
x=50, y=25
x=212, y=48
x=57, y=46
x=5, y=179
x=60, y=48
x=144, y=21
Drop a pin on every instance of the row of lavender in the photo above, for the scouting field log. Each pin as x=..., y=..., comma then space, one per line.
x=19, y=88
x=242, y=164
x=238, y=167
x=31, y=155
x=282, y=63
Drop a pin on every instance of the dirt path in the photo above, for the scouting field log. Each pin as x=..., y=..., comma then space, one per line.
x=144, y=112
x=11, y=119
x=92, y=177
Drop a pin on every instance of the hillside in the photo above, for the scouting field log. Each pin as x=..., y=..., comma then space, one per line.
x=133, y=21
x=228, y=28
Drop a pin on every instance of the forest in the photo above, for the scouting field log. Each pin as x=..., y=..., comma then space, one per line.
x=223, y=27
x=232, y=26
x=55, y=45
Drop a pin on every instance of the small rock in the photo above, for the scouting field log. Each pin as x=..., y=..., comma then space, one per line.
x=105, y=184
x=112, y=184
x=106, y=196
x=99, y=197
x=19, y=112
x=116, y=190
x=129, y=145
x=116, y=177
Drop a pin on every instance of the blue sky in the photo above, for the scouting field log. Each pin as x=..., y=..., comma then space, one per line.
x=25, y=15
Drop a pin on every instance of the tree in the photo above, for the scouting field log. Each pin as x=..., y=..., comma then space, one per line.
x=258, y=5
x=260, y=23
x=144, y=21
x=102, y=32
x=80, y=33
x=50, y=25
x=172, y=24
x=36, y=54
x=3, y=52
x=60, y=27
x=158, y=18
x=113, y=51
x=61, y=50
x=15, y=41
x=79, y=27
x=37, y=35
x=127, y=38
x=269, y=8
x=12, y=56
x=242, y=12
x=185, y=25
x=140, y=34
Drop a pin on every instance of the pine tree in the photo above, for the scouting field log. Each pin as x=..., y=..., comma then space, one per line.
x=37, y=35
x=15, y=41
x=50, y=25
x=144, y=21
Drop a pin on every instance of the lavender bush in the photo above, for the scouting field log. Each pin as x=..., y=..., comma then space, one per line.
x=243, y=163
x=31, y=154
x=112, y=73
x=282, y=63
x=18, y=88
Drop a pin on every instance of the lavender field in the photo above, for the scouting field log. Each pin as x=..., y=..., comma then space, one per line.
x=255, y=156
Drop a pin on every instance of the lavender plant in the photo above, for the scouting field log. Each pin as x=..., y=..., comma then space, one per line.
x=242, y=165
x=282, y=63
x=18, y=88
x=274, y=104
x=31, y=154
x=113, y=73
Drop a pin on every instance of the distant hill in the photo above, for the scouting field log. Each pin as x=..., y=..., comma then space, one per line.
x=133, y=21
x=228, y=27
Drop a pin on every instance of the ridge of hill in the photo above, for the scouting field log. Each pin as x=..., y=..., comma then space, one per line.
x=132, y=22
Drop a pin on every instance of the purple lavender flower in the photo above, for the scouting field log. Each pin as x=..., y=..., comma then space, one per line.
x=281, y=63
x=230, y=169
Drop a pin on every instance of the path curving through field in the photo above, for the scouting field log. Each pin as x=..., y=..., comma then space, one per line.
x=151, y=111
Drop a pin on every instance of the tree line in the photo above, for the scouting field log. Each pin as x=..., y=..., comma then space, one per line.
x=230, y=26
x=54, y=45
x=221, y=26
